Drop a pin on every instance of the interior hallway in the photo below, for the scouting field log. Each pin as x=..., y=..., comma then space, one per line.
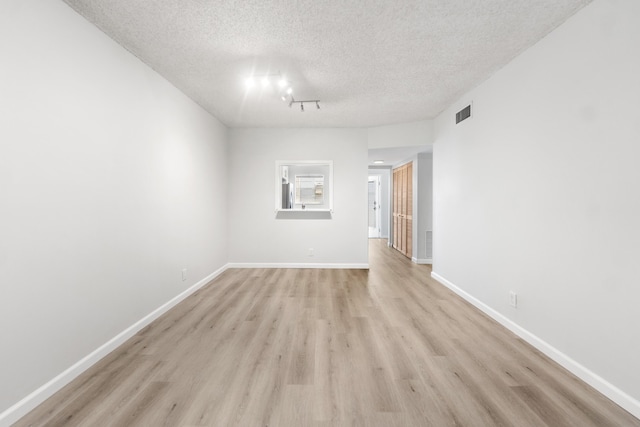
x=310, y=347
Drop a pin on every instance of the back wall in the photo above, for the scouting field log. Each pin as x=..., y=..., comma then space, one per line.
x=258, y=237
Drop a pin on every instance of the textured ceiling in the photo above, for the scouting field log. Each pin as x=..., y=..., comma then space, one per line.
x=370, y=63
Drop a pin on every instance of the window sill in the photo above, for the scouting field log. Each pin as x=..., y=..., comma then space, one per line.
x=304, y=213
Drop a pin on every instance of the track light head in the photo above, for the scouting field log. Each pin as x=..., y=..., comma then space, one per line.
x=280, y=85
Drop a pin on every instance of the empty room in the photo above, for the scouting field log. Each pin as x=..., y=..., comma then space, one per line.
x=319, y=213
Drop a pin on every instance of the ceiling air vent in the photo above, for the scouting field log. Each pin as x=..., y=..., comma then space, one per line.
x=465, y=113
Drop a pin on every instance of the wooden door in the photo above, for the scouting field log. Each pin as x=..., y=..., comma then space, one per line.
x=403, y=209
x=408, y=216
x=396, y=206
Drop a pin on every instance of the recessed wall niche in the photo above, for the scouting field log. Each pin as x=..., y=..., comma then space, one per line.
x=304, y=189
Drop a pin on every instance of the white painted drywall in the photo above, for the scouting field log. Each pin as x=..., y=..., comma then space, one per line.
x=538, y=192
x=111, y=182
x=424, y=201
x=400, y=135
x=257, y=236
x=385, y=199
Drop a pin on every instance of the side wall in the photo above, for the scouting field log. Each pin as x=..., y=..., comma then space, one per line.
x=424, y=178
x=111, y=182
x=260, y=238
x=538, y=194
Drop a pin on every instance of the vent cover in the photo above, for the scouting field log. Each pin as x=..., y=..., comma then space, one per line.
x=465, y=113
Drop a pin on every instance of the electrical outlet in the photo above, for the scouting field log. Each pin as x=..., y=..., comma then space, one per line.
x=513, y=299
x=310, y=251
x=184, y=274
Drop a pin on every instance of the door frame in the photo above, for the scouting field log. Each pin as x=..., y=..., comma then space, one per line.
x=377, y=232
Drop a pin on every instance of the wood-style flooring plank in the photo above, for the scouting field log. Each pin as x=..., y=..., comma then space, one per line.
x=312, y=347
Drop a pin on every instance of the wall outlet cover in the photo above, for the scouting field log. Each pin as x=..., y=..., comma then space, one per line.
x=513, y=299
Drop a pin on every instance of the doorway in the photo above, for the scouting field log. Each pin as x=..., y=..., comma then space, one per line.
x=374, y=207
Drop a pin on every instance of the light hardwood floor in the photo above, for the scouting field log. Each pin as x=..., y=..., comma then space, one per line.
x=281, y=347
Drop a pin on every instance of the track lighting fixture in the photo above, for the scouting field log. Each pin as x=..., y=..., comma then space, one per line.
x=281, y=86
x=313, y=101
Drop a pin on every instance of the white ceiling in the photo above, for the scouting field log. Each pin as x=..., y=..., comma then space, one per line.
x=370, y=63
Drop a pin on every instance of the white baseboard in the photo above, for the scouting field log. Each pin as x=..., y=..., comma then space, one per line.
x=603, y=386
x=296, y=265
x=422, y=260
x=24, y=406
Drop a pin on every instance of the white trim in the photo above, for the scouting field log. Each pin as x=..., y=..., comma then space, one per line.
x=24, y=406
x=304, y=210
x=376, y=179
x=295, y=265
x=422, y=260
x=594, y=380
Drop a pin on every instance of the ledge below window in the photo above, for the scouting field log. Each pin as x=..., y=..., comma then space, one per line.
x=304, y=214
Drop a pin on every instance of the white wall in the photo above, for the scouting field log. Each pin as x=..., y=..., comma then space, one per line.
x=538, y=193
x=111, y=182
x=258, y=237
x=401, y=135
x=424, y=201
